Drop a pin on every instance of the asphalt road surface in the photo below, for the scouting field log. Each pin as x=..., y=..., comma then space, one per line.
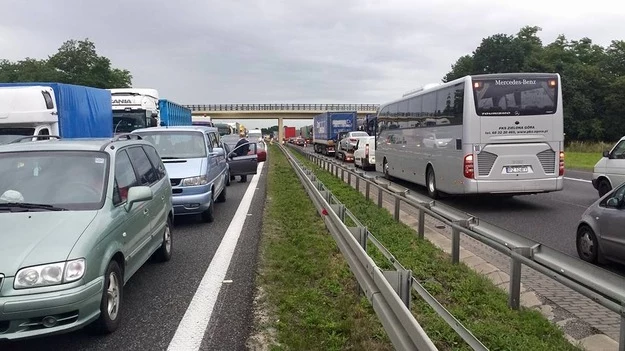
x=158, y=296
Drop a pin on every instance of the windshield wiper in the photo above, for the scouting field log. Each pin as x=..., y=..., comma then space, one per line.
x=28, y=205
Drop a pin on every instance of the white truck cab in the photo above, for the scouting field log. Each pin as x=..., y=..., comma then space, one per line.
x=134, y=108
x=26, y=111
x=609, y=171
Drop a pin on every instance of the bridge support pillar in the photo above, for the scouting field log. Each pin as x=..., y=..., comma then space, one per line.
x=280, y=130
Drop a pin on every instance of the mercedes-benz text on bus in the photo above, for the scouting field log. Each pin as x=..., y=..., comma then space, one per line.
x=481, y=134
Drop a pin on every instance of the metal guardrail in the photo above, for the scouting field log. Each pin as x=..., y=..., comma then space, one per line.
x=600, y=285
x=284, y=107
x=387, y=291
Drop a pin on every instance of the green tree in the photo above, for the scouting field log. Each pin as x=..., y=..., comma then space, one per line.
x=593, y=77
x=75, y=62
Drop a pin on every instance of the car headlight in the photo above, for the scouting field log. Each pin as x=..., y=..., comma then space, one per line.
x=50, y=274
x=194, y=181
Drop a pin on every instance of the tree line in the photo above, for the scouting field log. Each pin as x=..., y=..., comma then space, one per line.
x=75, y=62
x=593, y=77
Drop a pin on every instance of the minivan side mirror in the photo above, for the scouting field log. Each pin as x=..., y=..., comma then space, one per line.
x=138, y=194
x=606, y=154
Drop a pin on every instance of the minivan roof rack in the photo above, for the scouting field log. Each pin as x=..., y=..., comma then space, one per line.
x=19, y=140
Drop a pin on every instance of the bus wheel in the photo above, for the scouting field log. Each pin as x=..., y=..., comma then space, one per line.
x=385, y=170
x=431, y=183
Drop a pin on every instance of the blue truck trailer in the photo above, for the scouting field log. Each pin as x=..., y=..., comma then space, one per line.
x=44, y=108
x=172, y=114
x=326, y=129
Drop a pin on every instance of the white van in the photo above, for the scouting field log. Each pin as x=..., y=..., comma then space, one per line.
x=609, y=172
x=254, y=135
x=364, y=154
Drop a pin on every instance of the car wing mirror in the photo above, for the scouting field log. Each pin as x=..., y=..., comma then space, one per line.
x=606, y=154
x=613, y=202
x=138, y=194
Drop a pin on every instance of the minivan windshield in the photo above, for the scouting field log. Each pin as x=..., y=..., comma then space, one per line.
x=72, y=180
x=177, y=144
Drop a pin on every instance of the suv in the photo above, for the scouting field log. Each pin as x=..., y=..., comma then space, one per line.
x=79, y=218
x=196, y=163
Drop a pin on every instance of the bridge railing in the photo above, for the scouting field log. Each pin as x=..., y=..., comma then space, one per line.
x=284, y=107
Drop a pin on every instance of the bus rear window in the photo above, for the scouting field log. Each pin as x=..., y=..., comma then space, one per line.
x=515, y=97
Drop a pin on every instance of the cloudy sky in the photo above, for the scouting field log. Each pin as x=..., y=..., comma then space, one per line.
x=264, y=51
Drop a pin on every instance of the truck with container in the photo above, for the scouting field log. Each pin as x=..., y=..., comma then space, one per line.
x=306, y=133
x=289, y=132
x=134, y=108
x=49, y=109
x=328, y=126
x=172, y=114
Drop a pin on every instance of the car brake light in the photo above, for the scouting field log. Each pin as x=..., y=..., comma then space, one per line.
x=468, y=167
x=561, y=163
x=367, y=150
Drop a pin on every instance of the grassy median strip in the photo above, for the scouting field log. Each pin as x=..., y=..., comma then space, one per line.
x=584, y=155
x=472, y=298
x=309, y=292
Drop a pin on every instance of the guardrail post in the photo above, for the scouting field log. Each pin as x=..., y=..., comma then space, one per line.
x=455, y=238
x=514, y=299
x=380, y=197
x=367, y=188
x=349, y=178
x=339, y=209
x=342, y=174
x=421, y=231
x=401, y=281
x=358, y=183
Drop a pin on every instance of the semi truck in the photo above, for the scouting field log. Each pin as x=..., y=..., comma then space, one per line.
x=63, y=110
x=327, y=127
x=289, y=132
x=306, y=133
x=171, y=114
x=134, y=108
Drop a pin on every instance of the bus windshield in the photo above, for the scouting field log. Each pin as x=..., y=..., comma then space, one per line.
x=516, y=97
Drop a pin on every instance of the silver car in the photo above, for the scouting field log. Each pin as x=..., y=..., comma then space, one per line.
x=600, y=231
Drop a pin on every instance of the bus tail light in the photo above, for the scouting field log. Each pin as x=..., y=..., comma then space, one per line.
x=561, y=168
x=468, y=167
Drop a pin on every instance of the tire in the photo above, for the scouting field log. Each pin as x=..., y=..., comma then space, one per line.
x=222, y=196
x=603, y=187
x=430, y=183
x=208, y=216
x=228, y=178
x=163, y=254
x=110, y=316
x=385, y=170
x=587, y=244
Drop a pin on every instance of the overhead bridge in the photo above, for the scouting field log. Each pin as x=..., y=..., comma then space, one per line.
x=277, y=111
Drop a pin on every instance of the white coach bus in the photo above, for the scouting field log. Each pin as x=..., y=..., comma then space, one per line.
x=481, y=134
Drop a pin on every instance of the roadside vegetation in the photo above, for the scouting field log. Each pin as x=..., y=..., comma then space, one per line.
x=308, y=296
x=470, y=297
x=583, y=155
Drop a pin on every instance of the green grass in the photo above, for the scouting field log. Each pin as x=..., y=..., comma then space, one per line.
x=581, y=160
x=584, y=155
x=309, y=296
x=470, y=297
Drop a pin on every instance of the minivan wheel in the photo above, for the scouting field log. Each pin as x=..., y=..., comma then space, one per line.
x=209, y=215
x=587, y=244
x=603, y=187
x=111, y=302
x=163, y=254
x=228, y=179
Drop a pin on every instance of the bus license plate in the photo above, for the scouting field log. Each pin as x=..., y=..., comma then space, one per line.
x=516, y=169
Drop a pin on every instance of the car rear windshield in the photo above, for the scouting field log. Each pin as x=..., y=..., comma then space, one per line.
x=515, y=96
x=74, y=180
x=177, y=144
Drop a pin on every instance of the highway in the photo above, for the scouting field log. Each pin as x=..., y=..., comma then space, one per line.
x=157, y=297
x=550, y=219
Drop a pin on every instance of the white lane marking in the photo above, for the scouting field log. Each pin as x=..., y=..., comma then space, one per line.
x=190, y=331
x=578, y=180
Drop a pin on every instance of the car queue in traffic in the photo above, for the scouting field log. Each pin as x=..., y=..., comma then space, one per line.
x=86, y=214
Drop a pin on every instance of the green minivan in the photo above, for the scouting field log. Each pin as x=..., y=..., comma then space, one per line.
x=78, y=218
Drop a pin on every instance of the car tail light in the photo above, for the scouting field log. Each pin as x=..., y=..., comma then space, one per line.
x=468, y=167
x=367, y=150
x=561, y=163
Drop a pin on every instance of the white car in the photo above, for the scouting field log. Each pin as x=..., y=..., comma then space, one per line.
x=364, y=155
x=609, y=172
